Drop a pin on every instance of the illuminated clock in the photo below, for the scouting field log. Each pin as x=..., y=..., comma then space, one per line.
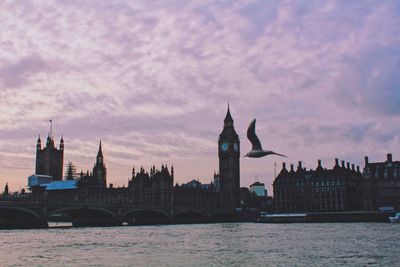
x=224, y=147
x=236, y=146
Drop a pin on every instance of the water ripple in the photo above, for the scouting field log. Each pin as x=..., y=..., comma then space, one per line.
x=231, y=244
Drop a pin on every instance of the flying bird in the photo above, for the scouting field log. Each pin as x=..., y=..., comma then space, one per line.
x=256, y=150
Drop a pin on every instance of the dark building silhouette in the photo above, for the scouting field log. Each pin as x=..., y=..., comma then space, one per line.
x=6, y=190
x=50, y=160
x=336, y=189
x=382, y=184
x=98, y=178
x=99, y=169
x=229, y=164
x=154, y=188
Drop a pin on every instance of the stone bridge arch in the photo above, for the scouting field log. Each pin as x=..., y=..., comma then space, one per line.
x=22, y=210
x=12, y=217
x=88, y=216
x=146, y=216
x=69, y=210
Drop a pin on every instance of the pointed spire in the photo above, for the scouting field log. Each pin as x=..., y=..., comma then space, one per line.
x=39, y=143
x=6, y=190
x=62, y=142
x=99, y=159
x=228, y=118
x=51, y=129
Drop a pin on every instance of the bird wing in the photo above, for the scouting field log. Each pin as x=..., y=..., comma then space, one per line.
x=251, y=135
x=279, y=154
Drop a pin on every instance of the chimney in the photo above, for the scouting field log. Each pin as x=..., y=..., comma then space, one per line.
x=291, y=167
x=358, y=168
x=352, y=167
x=336, y=162
x=348, y=165
x=366, y=160
x=319, y=163
x=283, y=165
x=343, y=164
x=299, y=167
x=389, y=157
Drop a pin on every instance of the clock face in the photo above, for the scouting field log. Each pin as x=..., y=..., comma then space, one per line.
x=224, y=147
x=236, y=146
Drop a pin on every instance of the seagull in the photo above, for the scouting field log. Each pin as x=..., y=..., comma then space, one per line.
x=257, y=151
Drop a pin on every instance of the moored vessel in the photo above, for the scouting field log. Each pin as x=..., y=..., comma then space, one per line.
x=396, y=218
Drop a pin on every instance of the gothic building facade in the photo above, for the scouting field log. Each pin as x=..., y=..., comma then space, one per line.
x=153, y=188
x=319, y=190
x=49, y=159
x=382, y=184
x=229, y=164
x=98, y=177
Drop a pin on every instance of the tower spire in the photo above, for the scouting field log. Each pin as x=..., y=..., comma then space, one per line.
x=228, y=121
x=99, y=155
x=39, y=144
x=51, y=128
x=6, y=190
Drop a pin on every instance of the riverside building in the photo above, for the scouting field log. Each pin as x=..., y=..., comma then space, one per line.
x=319, y=190
x=382, y=184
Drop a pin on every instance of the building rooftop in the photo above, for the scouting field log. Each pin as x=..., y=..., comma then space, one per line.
x=61, y=185
x=257, y=184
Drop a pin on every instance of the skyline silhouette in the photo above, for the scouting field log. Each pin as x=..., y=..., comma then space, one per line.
x=152, y=80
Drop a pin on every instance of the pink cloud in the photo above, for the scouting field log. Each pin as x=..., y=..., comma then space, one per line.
x=152, y=79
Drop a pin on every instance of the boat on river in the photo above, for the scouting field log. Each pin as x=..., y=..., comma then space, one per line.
x=396, y=218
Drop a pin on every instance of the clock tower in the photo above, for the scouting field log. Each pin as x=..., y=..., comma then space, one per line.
x=229, y=164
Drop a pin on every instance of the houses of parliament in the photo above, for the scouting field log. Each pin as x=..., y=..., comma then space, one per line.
x=343, y=188
x=145, y=187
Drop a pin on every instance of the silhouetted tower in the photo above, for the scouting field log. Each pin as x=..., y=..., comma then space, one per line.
x=99, y=170
x=50, y=160
x=6, y=190
x=229, y=164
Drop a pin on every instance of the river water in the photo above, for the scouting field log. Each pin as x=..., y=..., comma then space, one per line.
x=227, y=244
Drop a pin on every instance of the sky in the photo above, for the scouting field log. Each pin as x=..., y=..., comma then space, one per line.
x=152, y=80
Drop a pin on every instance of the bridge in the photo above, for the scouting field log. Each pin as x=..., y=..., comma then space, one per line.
x=36, y=213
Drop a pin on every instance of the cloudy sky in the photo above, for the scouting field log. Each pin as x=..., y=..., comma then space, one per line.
x=152, y=80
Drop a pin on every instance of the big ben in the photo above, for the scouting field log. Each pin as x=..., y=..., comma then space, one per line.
x=229, y=164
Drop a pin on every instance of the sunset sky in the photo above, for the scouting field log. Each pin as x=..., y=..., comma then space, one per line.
x=152, y=80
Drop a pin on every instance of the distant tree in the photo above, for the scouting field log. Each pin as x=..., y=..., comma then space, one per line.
x=70, y=173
